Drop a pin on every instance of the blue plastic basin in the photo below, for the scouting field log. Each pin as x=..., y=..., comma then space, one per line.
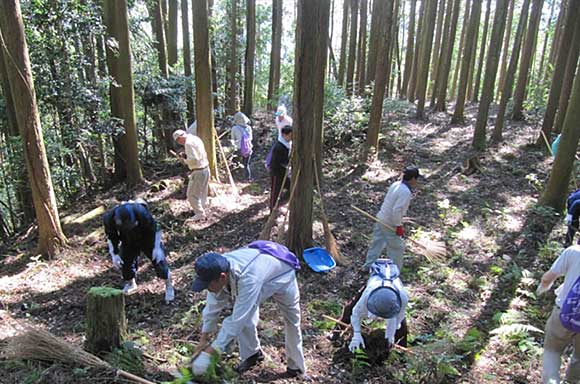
x=318, y=259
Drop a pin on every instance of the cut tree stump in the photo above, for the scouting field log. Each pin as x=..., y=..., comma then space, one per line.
x=106, y=321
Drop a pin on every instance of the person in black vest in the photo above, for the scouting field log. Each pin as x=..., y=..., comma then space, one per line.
x=279, y=165
x=131, y=229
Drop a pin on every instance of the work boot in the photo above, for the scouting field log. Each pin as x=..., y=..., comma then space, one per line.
x=130, y=287
x=250, y=362
x=169, y=294
x=291, y=372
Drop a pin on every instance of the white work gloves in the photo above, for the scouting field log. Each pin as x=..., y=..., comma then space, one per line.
x=568, y=219
x=201, y=364
x=117, y=262
x=157, y=255
x=356, y=342
x=169, y=291
x=390, y=339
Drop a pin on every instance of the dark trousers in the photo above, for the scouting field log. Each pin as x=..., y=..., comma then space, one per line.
x=130, y=255
x=276, y=188
x=571, y=232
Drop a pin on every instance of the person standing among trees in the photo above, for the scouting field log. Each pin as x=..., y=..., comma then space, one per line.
x=196, y=160
x=241, y=138
x=131, y=229
x=279, y=165
x=282, y=119
x=392, y=211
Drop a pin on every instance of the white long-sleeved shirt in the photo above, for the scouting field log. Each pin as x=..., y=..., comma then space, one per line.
x=253, y=278
x=395, y=205
x=361, y=311
x=237, y=132
x=195, y=152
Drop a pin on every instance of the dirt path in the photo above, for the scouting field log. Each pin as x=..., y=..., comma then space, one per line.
x=495, y=237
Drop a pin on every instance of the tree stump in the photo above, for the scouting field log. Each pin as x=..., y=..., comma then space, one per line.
x=106, y=322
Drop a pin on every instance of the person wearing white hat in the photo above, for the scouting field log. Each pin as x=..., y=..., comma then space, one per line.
x=196, y=160
x=241, y=139
x=282, y=119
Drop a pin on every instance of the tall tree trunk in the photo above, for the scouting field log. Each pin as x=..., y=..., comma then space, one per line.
x=567, y=36
x=506, y=47
x=568, y=80
x=312, y=20
x=409, y=50
x=540, y=74
x=446, y=56
x=438, y=43
x=527, y=56
x=203, y=83
x=556, y=40
x=458, y=60
x=250, y=57
x=362, y=48
x=187, y=60
x=425, y=59
x=159, y=32
x=417, y=55
x=101, y=57
x=232, y=68
x=321, y=64
x=470, y=76
x=274, y=78
x=506, y=89
x=385, y=10
x=352, y=47
x=17, y=63
x=172, y=35
x=122, y=96
x=557, y=188
x=466, y=62
x=482, y=52
x=493, y=56
x=343, y=43
x=373, y=43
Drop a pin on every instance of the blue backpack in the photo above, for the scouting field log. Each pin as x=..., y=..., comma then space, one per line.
x=246, y=144
x=572, y=198
x=570, y=312
x=268, y=162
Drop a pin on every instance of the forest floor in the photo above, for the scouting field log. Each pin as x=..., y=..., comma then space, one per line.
x=473, y=319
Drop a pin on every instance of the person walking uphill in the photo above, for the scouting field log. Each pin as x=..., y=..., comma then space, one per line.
x=563, y=325
x=131, y=229
x=196, y=160
x=279, y=165
x=242, y=141
x=247, y=277
x=392, y=211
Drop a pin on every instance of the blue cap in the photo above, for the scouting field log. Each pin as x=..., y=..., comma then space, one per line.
x=384, y=302
x=208, y=267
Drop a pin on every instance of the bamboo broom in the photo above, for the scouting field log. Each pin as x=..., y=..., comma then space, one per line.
x=330, y=241
x=434, y=251
x=231, y=179
x=38, y=344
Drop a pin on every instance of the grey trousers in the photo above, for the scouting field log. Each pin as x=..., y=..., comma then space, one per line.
x=197, y=190
x=556, y=339
x=384, y=238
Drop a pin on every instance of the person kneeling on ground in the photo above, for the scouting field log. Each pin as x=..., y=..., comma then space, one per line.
x=383, y=297
x=247, y=277
x=132, y=225
x=563, y=325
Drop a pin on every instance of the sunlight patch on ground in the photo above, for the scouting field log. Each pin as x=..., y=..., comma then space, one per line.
x=378, y=172
x=470, y=233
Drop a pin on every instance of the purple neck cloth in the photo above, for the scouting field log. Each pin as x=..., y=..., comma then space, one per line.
x=277, y=250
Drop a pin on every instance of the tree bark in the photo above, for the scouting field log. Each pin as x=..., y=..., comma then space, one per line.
x=556, y=40
x=557, y=188
x=274, y=78
x=250, y=57
x=232, y=69
x=466, y=62
x=362, y=49
x=567, y=82
x=540, y=74
x=416, y=56
x=527, y=56
x=106, y=321
x=321, y=64
x=17, y=64
x=187, y=60
x=493, y=56
x=475, y=95
x=373, y=43
x=425, y=56
x=506, y=47
x=506, y=90
x=446, y=56
x=159, y=32
x=172, y=33
x=437, y=48
x=470, y=76
x=343, y=43
x=461, y=48
x=203, y=83
x=352, y=47
x=409, y=49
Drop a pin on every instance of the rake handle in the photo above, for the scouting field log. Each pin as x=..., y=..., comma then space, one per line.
x=133, y=377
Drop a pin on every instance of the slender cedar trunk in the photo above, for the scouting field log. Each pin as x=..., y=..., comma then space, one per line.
x=203, y=83
x=187, y=60
x=554, y=48
x=540, y=74
x=332, y=69
x=506, y=90
x=101, y=59
x=466, y=62
x=385, y=10
x=527, y=56
x=506, y=47
x=214, y=72
x=461, y=48
x=343, y=43
x=172, y=33
x=409, y=49
x=250, y=57
x=311, y=25
x=426, y=46
x=557, y=188
x=321, y=64
x=570, y=25
x=482, y=52
x=159, y=33
x=352, y=47
x=438, y=43
x=446, y=56
x=492, y=63
x=416, y=55
x=568, y=80
x=165, y=23
x=232, y=68
x=17, y=64
x=394, y=50
x=470, y=76
x=274, y=77
x=122, y=96
x=362, y=48
x=391, y=46
x=373, y=43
